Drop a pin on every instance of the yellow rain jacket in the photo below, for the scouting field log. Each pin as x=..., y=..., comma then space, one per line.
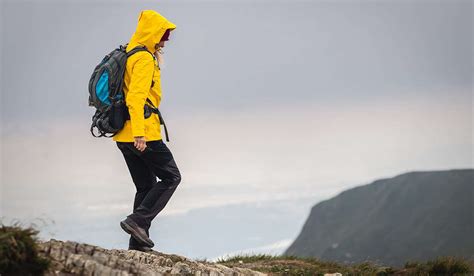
x=141, y=69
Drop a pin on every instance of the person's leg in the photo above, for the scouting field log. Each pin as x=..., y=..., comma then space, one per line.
x=160, y=160
x=143, y=178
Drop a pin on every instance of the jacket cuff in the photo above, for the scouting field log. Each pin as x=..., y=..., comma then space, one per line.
x=138, y=125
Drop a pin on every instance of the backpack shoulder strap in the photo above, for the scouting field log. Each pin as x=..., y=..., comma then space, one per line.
x=162, y=121
x=153, y=108
x=139, y=49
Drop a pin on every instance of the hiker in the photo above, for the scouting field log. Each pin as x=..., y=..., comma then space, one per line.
x=140, y=141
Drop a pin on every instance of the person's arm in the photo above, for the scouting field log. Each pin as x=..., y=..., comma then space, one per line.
x=140, y=83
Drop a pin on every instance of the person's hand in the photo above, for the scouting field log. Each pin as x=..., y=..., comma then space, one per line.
x=140, y=143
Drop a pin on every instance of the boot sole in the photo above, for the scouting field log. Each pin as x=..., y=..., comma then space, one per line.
x=130, y=230
x=142, y=250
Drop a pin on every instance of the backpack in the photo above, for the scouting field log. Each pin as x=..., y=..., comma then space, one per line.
x=107, y=96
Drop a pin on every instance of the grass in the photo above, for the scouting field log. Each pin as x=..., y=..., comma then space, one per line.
x=441, y=266
x=19, y=251
x=293, y=265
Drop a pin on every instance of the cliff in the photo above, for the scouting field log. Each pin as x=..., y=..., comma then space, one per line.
x=414, y=216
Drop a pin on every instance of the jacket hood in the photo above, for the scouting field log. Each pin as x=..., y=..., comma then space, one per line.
x=151, y=27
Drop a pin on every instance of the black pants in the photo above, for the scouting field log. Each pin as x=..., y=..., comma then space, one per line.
x=151, y=196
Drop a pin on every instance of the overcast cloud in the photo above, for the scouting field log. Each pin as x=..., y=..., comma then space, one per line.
x=263, y=100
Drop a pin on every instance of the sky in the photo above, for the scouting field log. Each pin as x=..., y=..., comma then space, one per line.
x=265, y=101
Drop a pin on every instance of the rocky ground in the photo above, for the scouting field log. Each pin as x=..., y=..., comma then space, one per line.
x=72, y=258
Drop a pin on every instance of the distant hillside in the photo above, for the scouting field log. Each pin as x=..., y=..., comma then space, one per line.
x=413, y=216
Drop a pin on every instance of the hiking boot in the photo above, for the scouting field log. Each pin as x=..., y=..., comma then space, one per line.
x=129, y=226
x=141, y=248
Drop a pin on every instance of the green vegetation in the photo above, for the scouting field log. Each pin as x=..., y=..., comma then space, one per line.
x=19, y=252
x=441, y=266
x=292, y=265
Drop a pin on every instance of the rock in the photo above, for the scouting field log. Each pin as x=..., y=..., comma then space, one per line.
x=72, y=258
